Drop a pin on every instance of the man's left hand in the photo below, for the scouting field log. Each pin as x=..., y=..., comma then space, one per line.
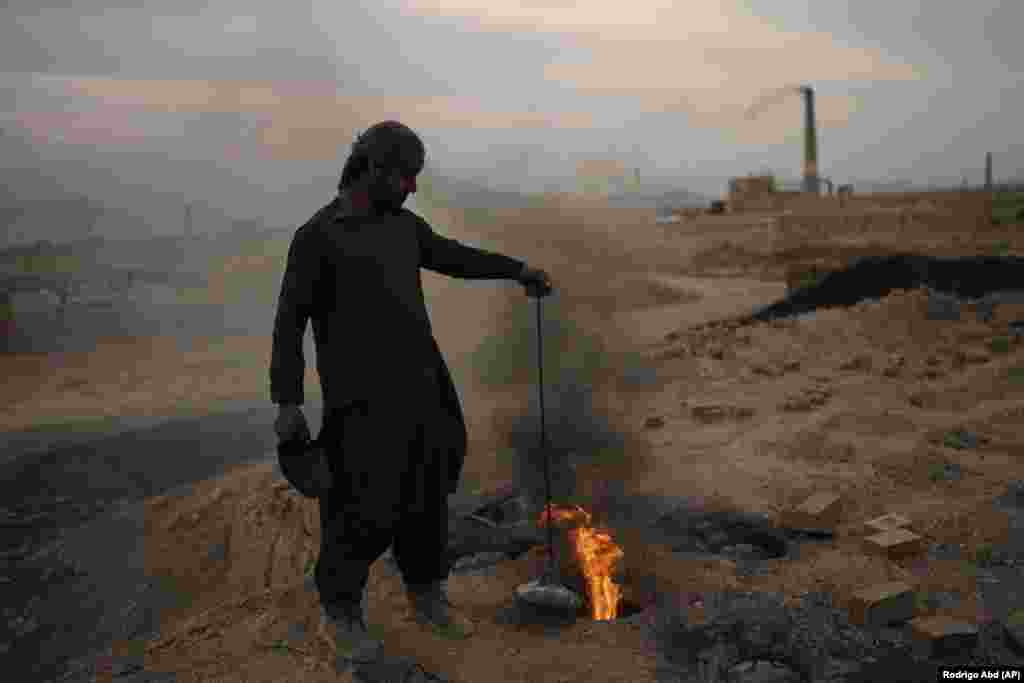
x=536, y=281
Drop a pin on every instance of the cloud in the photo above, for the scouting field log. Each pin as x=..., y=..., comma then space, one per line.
x=707, y=61
x=309, y=135
x=92, y=128
x=642, y=19
x=301, y=120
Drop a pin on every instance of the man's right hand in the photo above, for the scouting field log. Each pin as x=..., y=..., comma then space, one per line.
x=290, y=424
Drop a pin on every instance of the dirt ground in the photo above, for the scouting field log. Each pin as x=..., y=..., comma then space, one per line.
x=855, y=402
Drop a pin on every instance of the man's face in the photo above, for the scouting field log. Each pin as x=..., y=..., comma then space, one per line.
x=391, y=185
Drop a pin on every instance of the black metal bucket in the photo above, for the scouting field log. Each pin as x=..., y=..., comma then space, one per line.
x=304, y=464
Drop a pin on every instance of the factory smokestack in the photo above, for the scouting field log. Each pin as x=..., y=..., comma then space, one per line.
x=810, y=183
x=988, y=171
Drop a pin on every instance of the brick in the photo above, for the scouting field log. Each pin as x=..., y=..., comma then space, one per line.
x=942, y=636
x=886, y=523
x=820, y=511
x=882, y=604
x=767, y=370
x=973, y=356
x=895, y=542
x=743, y=412
x=858, y=362
x=709, y=412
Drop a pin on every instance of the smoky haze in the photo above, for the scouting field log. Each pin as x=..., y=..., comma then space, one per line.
x=250, y=109
x=230, y=124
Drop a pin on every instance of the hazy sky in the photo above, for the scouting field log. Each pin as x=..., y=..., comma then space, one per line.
x=251, y=105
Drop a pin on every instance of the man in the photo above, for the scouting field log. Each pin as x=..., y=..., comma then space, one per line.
x=393, y=427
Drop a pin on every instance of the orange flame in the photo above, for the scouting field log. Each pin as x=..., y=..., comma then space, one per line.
x=596, y=555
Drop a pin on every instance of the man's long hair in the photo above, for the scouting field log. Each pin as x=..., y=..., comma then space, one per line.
x=387, y=143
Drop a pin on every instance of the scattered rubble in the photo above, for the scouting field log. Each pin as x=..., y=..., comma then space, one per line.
x=882, y=604
x=1014, y=629
x=808, y=399
x=821, y=511
x=894, y=543
x=715, y=412
x=942, y=636
x=886, y=523
x=655, y=422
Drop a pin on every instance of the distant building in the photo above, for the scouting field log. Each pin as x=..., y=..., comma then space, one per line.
x=751, y=187
x=600, y=176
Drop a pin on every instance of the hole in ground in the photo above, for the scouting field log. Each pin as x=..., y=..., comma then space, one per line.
x=632, y=603
x=629, y=608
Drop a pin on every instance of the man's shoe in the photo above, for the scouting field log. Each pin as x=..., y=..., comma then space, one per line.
x=431, y=607
x=344, y=629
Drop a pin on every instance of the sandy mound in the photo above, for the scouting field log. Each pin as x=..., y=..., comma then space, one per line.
x=236, y=550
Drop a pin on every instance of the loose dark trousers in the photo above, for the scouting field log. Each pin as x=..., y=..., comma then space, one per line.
x=390, y=487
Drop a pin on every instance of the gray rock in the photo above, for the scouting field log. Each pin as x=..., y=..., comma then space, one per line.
x=962, y=440
x=510, y=511
x=478, y=561
x=217, y=552
x=714, y=662
x=1015, y=491
x=639, y=376
x=1014, y=635
x=383, y=669
x=942, y=600
x=985, y=576
x=743, y=668
x=985, y=310
x=943, y=551
x=959, y=643
x=296, y=632
x=942, y=307
x=951, y=471
x=1002, y=558
x=716, y=539
x=648, y=510
x=25, y=625
x=16, y=553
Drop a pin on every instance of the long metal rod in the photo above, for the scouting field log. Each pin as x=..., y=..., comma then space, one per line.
x=543, y=445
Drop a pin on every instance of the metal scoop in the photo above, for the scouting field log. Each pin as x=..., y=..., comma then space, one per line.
x=547, y=593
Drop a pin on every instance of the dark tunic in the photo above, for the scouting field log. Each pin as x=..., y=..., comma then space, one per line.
x=358, y=279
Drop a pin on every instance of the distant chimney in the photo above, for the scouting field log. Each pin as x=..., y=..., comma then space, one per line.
x=810, y=183
x=988, y=171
